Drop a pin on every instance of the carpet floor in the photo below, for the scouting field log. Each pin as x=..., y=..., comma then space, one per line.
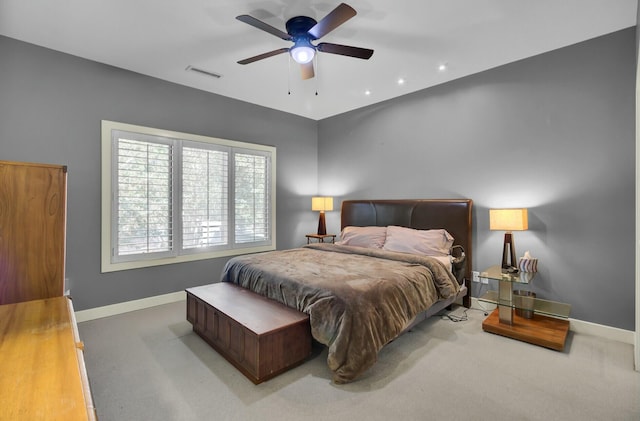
x=149, y=365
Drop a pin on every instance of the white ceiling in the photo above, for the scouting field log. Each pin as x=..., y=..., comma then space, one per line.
x=411, y=38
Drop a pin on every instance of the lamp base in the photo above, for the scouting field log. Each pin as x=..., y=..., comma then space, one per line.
x=509, y=253
x=322, y=226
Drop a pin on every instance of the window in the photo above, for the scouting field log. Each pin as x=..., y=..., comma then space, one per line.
x=172, y=197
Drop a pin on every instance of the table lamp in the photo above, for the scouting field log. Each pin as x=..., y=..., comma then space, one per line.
x=508, y=220
x=322, y=204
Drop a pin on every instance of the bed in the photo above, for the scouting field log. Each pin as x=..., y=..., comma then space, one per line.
x=360, y=298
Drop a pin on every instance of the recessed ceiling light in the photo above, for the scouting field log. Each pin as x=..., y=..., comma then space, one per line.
x=401, y=81
x=367, y=92
x=442, y=67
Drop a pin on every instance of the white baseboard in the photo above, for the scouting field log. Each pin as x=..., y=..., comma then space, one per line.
x=607, y=332
x=127, y=306
x=581, y=327
x=577, y=326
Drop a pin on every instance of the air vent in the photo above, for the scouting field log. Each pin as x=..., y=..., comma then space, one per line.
x=203, y=72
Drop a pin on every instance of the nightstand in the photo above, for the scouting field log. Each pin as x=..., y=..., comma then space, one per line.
x=321, y=237
x=549, y=324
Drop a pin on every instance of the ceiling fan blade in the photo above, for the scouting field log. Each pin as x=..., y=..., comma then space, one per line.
x=335, y=18
x=264, y=55
x=264, y=26
x=345, y=50
x=307, y=70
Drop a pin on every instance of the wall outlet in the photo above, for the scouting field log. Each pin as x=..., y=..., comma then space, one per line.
x=475, y=276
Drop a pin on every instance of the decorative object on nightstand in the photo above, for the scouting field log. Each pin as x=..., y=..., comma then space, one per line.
x=508, y=220
x=523, y=300
x=322, y=204
x=527, y=263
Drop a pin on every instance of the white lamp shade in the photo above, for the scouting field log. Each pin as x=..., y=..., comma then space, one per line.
x=302, y=54
x=508, y=219
x=322, y=203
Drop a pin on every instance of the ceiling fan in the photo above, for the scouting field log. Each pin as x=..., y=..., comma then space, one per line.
x=302, y=30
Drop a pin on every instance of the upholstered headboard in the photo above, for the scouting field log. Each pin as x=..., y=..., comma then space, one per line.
x=454, y=215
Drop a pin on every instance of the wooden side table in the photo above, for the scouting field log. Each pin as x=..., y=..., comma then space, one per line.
x=321, y=237
x=549, y=324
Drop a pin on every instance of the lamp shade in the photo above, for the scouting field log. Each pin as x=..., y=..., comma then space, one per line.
x=303, y=54
x=322, y=204
x=302, y=51
x=508, y=219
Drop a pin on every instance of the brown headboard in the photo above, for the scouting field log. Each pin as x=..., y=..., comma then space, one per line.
x=454, y=215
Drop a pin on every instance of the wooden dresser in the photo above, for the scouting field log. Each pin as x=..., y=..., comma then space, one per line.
x=42, y=372
x=43, y=376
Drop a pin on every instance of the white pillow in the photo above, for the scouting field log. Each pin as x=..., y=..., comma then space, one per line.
x=370, y=237
x=436, y=242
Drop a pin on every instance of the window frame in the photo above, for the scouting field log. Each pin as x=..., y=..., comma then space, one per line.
x=108, y=174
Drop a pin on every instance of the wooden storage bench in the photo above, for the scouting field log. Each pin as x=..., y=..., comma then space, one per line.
x=260, y=337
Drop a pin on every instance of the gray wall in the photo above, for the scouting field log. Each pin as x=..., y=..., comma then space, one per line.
x=51, y=105
x=554, y=133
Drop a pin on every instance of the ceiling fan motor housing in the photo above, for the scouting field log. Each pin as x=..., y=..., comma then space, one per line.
x=298, y=27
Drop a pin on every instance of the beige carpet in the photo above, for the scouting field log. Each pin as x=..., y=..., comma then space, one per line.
x=149, y=365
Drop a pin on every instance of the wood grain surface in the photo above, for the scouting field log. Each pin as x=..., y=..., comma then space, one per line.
x=32, y=231
x=41, y=375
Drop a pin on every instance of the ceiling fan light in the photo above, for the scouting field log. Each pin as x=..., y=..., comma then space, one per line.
x=302, y=54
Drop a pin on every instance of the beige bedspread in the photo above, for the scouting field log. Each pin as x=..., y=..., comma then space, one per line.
x=357, y=299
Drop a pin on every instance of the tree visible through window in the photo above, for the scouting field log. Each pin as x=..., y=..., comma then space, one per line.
x=144, y=205
x=180, y=196
x=204, y=197
x=252, y=213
